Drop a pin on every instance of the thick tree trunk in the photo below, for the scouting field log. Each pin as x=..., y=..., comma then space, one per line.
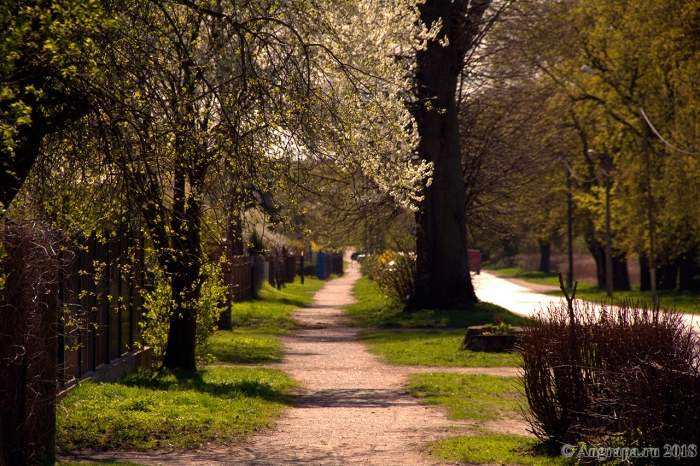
x=621, y=275
x=184, y=266
x=598, y=253
x=545, y=255
x=441, y=239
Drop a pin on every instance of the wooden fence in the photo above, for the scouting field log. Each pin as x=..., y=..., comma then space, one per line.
x=100, y=291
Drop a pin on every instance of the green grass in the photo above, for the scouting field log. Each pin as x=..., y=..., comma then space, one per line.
x=258, y=323
x=184, y=410
x=270, y=313
x=494, y=449
x=480, y=398
x=469, y=396
x=431, y=348
x=242, y=346
x=374, y=310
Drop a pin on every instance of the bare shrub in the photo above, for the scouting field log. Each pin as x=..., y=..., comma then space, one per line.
x=28, y=343
x=629, y=371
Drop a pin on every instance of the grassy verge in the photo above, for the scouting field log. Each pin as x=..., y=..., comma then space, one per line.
x=494, y=449
x=469, y=396
x=431, y=348
x=184, y=410
x=374, y=310
x=682, y=300
x=479, y=398
x=271, y=312
x=257, y=324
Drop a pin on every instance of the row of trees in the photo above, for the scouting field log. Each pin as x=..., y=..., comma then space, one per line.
x=178, y=116
x=553, y=84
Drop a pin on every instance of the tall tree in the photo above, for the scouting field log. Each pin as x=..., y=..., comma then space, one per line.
x=441, y=240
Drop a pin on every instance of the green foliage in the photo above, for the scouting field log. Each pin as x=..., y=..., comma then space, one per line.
x=470, y=396
x=35, y=35
x=498, y=327
x=375, y=310
x=432, y=348
x=147, y=411
x=158, y=307
x=394, y=274
x=494, y=449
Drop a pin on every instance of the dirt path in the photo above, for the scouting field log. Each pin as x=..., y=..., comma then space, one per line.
x=352, y=409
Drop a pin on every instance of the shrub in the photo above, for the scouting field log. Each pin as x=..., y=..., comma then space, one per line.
x=157, y=305
x=394, y=273
x=626, y=372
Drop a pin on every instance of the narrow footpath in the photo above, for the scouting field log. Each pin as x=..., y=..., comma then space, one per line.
x=352, y=409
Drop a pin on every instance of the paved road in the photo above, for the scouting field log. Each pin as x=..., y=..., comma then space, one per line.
x=523, y=300
x=514, y=297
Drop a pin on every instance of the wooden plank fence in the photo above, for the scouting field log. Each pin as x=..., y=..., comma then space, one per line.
x=100, y=291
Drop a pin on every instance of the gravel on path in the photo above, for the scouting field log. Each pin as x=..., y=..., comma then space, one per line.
x=352, y=408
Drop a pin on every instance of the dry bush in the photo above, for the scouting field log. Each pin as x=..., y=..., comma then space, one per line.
x=629, y=371
x=28, y=343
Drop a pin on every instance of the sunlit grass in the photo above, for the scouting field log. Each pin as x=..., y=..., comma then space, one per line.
x=431, y=348
x=480, y=398
x=184, y=410
x=271, y=312
x=469, y=396
x=494, y=449
x=375, y=310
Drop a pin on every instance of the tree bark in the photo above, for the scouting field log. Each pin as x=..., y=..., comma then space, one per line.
x=545, y=255
x=644, y=273
x=621, y=276
x=441, y=240
x=597, y=250
x=184, y=266
x=667, y=277
x=688, y=279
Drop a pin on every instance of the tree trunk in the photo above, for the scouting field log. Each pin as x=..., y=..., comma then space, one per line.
x=545, y=253
x=441, y=240
x=621, y=275
x=183, y=265
x=644, y=274
x=688, y=279
x=666, y=277
x=598, y=252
